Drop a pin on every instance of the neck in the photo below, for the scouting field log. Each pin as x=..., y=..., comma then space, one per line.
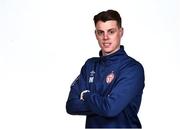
x=106, y=53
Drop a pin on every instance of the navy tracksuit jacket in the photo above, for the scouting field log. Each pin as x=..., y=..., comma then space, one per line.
x=116, y=85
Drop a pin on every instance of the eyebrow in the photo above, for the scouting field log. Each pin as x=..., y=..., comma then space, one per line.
x=107, y=30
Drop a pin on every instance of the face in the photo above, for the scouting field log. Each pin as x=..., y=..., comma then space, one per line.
x=109, y=36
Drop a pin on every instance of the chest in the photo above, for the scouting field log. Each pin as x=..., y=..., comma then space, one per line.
x=102, y=79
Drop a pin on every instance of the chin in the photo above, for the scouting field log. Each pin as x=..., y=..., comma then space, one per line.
x=108, y=51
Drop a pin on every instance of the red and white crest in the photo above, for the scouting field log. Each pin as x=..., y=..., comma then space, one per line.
x=110, y=77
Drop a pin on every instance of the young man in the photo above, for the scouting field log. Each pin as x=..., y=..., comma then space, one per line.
x=109, y=88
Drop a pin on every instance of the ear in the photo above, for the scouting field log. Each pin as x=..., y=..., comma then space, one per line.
x=121, y=31
x=95, y=32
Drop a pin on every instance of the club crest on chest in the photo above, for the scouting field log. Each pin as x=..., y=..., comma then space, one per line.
x=110, y=77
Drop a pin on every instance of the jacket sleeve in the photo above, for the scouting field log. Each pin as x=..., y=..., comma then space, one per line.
x=130, y=84
x=74, y=105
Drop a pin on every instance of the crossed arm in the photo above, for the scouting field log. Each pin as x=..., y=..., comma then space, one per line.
x=129, y=85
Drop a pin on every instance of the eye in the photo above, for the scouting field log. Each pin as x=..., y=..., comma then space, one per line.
x=100, y=33
x=111, y=32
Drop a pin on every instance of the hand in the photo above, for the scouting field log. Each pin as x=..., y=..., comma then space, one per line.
x=82, y=93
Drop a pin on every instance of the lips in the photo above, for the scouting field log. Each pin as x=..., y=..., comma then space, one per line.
x=106, y=45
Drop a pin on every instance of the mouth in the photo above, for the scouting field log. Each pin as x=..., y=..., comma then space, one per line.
x=106, y=45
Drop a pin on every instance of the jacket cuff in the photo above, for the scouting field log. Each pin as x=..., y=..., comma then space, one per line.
x=86, y=95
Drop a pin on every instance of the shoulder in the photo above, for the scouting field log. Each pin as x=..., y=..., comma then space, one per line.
x=91, y=61
x=133, y=65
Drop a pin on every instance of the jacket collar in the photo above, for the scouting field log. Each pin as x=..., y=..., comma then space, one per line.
x=114, y=57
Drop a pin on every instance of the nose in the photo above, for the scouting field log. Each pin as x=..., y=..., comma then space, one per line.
x=105, y=36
